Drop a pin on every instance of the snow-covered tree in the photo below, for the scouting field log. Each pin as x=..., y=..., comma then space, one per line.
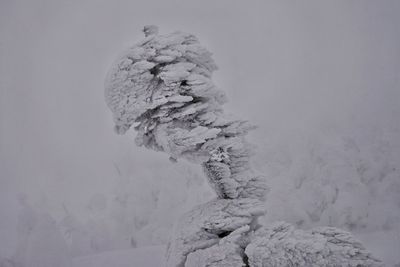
x=76, y=235
x=162, y=87
x=27, y=221
x=46, y=246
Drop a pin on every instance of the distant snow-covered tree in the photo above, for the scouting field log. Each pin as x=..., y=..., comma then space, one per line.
x=46, y=246
x=27, y=221
x=162, y=87
x=76, y=235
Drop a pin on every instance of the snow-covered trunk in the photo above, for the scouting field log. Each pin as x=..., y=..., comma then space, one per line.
x=162, y=86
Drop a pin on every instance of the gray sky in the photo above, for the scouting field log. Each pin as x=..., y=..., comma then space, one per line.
x=285, y=65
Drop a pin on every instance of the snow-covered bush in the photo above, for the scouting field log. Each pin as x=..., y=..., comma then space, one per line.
x=162, y=87
x=281, y=244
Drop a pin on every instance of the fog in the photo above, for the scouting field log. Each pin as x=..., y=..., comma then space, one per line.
x=315, y=68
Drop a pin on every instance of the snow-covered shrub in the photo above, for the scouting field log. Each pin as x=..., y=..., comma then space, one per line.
x=219, y=225
x=281, y=244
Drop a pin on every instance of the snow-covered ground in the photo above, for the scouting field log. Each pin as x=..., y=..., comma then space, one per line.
x=146, y=256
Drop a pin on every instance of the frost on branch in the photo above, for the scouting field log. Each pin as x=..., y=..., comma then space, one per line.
x=214, y=233
x=162, y=87
x=283, y=245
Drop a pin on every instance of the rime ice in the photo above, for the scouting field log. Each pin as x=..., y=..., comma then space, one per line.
x=162, y=87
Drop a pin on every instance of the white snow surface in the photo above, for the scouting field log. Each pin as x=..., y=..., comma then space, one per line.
x=149, y=256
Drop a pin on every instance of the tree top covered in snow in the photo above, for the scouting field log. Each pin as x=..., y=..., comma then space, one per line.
x=162, y=87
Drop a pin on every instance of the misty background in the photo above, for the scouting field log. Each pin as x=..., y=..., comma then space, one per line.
x=321, y=79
